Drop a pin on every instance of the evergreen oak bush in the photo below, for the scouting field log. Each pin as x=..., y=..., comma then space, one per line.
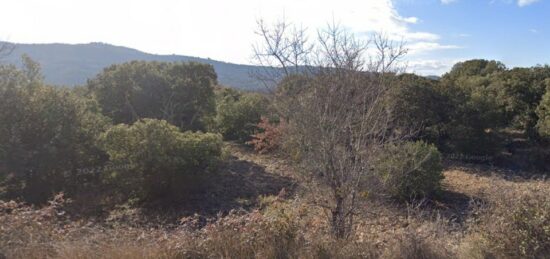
x=409, y=170
x=153, y=160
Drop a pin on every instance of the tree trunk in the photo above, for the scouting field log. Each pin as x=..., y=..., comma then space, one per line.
x=339, y=218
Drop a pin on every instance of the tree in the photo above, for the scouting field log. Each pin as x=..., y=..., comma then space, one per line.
x=340, y=119
x=460, y=112
x=32, y=69
x=181, y=93
x=518, y=92
x=474, y=67
x=417, y=102
x=502, y=97
x=46, y=135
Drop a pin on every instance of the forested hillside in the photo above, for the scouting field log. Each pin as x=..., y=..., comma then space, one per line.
x=70, y=65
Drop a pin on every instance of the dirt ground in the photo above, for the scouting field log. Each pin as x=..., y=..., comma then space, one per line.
x=244, y=180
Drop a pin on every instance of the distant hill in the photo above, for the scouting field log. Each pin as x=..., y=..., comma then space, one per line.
x=433, y=77
x=70, y=65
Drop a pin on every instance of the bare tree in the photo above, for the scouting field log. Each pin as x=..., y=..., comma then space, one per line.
x=285, y=51
x=336, y=109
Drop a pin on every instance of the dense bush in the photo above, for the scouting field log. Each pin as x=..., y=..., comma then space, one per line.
x=477, y=106
x=455, y=118
x=47, y=135
x=152, y=159
x=409, y=170
x=238, y=114
x=418, y=103
x=518, y=92
x=180, y=93
x=465, y=110
x=543, y=113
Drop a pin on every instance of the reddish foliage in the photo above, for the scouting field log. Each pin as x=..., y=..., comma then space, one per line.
x=269, y=137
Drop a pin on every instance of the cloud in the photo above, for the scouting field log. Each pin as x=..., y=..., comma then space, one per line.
x=222, y=30
x=422, y=47
x=448, y=1
x=413, y=36
x=412, y=20
x=428, y=67
x=523, y=3
x=535, y=31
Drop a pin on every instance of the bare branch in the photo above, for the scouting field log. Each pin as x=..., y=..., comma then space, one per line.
x=337, y=108
x=285, y=51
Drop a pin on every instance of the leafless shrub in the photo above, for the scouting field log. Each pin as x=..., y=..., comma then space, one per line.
x=337, y=112
x=269, y=139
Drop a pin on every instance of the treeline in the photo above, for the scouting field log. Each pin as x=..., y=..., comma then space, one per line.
x=156, y=128
x=142, y=124
x=480, y=108
x=480, y=111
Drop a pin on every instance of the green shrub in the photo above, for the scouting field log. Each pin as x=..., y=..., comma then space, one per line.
x=543, y=113
x=180, y=93
x=47, y=135
x=410, y=170
x=152, y=159
x=238, y=114
x=457, y=115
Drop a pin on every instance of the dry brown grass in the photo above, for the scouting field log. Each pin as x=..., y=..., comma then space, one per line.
x=513, y=216
x=470, y=220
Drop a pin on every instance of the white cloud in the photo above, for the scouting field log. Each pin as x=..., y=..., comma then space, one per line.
x=448, y=1
x=428, y=67
x=523, y=3
x=217, y=29
x=412, y=20
x=423, y=47
x=535, y=31
x=413, y=36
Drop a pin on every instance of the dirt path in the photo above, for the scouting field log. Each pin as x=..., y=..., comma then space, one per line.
x=271, y=163
x=476, y=181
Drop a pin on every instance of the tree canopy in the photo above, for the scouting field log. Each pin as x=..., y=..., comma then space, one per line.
x=180, y=93
x=46, y=134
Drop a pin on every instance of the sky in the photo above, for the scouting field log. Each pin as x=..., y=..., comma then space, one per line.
x=438, y=33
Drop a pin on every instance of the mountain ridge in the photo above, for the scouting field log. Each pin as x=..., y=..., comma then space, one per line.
x=73, y=64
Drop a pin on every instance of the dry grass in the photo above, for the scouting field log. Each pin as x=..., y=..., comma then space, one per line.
x=470, y=220
x=512, y=216
x=281, y=229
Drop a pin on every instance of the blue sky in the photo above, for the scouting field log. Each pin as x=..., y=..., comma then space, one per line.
x=503, y=30
x=439, y=33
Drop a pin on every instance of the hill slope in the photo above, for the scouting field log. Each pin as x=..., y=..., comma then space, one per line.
x=70, y=65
